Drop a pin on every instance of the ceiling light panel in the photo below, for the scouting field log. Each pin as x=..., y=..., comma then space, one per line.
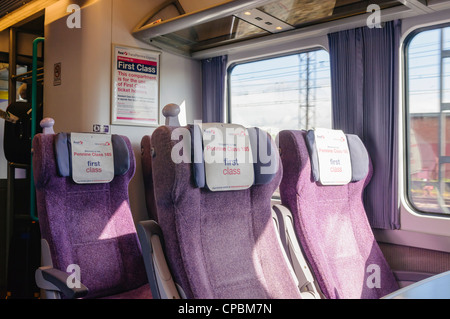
x=264, y=21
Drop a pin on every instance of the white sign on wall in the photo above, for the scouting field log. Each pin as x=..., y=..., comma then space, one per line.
x=135, y=86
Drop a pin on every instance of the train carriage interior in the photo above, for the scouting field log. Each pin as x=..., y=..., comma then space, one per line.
x=224, y=150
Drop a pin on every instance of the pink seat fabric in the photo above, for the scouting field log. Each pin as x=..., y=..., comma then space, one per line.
x=332, y=227
x=222, y=244
x=89, y=225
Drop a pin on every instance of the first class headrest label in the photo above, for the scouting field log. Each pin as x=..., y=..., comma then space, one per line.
x=92, y=158
x=334, y=157
x=227, y=156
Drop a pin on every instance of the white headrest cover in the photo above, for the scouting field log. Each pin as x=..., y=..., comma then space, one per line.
x=228, y=157
x=335, y=167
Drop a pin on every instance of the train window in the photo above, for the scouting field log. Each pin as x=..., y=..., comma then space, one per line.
x=428, y=119
x=286, y=92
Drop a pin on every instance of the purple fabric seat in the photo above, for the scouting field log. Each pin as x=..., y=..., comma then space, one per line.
x=89, y=225
x=332, y=227
x=220, y=244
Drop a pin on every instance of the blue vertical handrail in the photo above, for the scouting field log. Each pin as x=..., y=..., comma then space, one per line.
x=33, y=125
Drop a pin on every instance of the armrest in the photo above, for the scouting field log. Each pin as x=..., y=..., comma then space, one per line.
x=49, y=278
x=294, y=252
x=158, y=273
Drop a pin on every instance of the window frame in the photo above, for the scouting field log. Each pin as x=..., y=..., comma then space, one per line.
x=407, y=122
x=232, y=65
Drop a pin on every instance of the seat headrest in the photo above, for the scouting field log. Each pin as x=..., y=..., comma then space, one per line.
x=231, y=157
x=102, y=154
x=358, y=156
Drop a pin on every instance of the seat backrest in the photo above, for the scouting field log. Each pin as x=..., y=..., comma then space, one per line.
x=170, y=112
x=89, y=225
x=220, y=241
x=330, y=220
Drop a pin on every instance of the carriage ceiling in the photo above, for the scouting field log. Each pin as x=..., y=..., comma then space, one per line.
x=188, y=27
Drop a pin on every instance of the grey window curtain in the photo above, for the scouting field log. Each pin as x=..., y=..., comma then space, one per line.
x=213, y=89
x=365, y=93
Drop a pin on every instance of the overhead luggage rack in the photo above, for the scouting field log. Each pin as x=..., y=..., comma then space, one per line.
x=184, y=28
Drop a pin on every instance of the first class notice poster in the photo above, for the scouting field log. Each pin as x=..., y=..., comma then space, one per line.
x=135, y=86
